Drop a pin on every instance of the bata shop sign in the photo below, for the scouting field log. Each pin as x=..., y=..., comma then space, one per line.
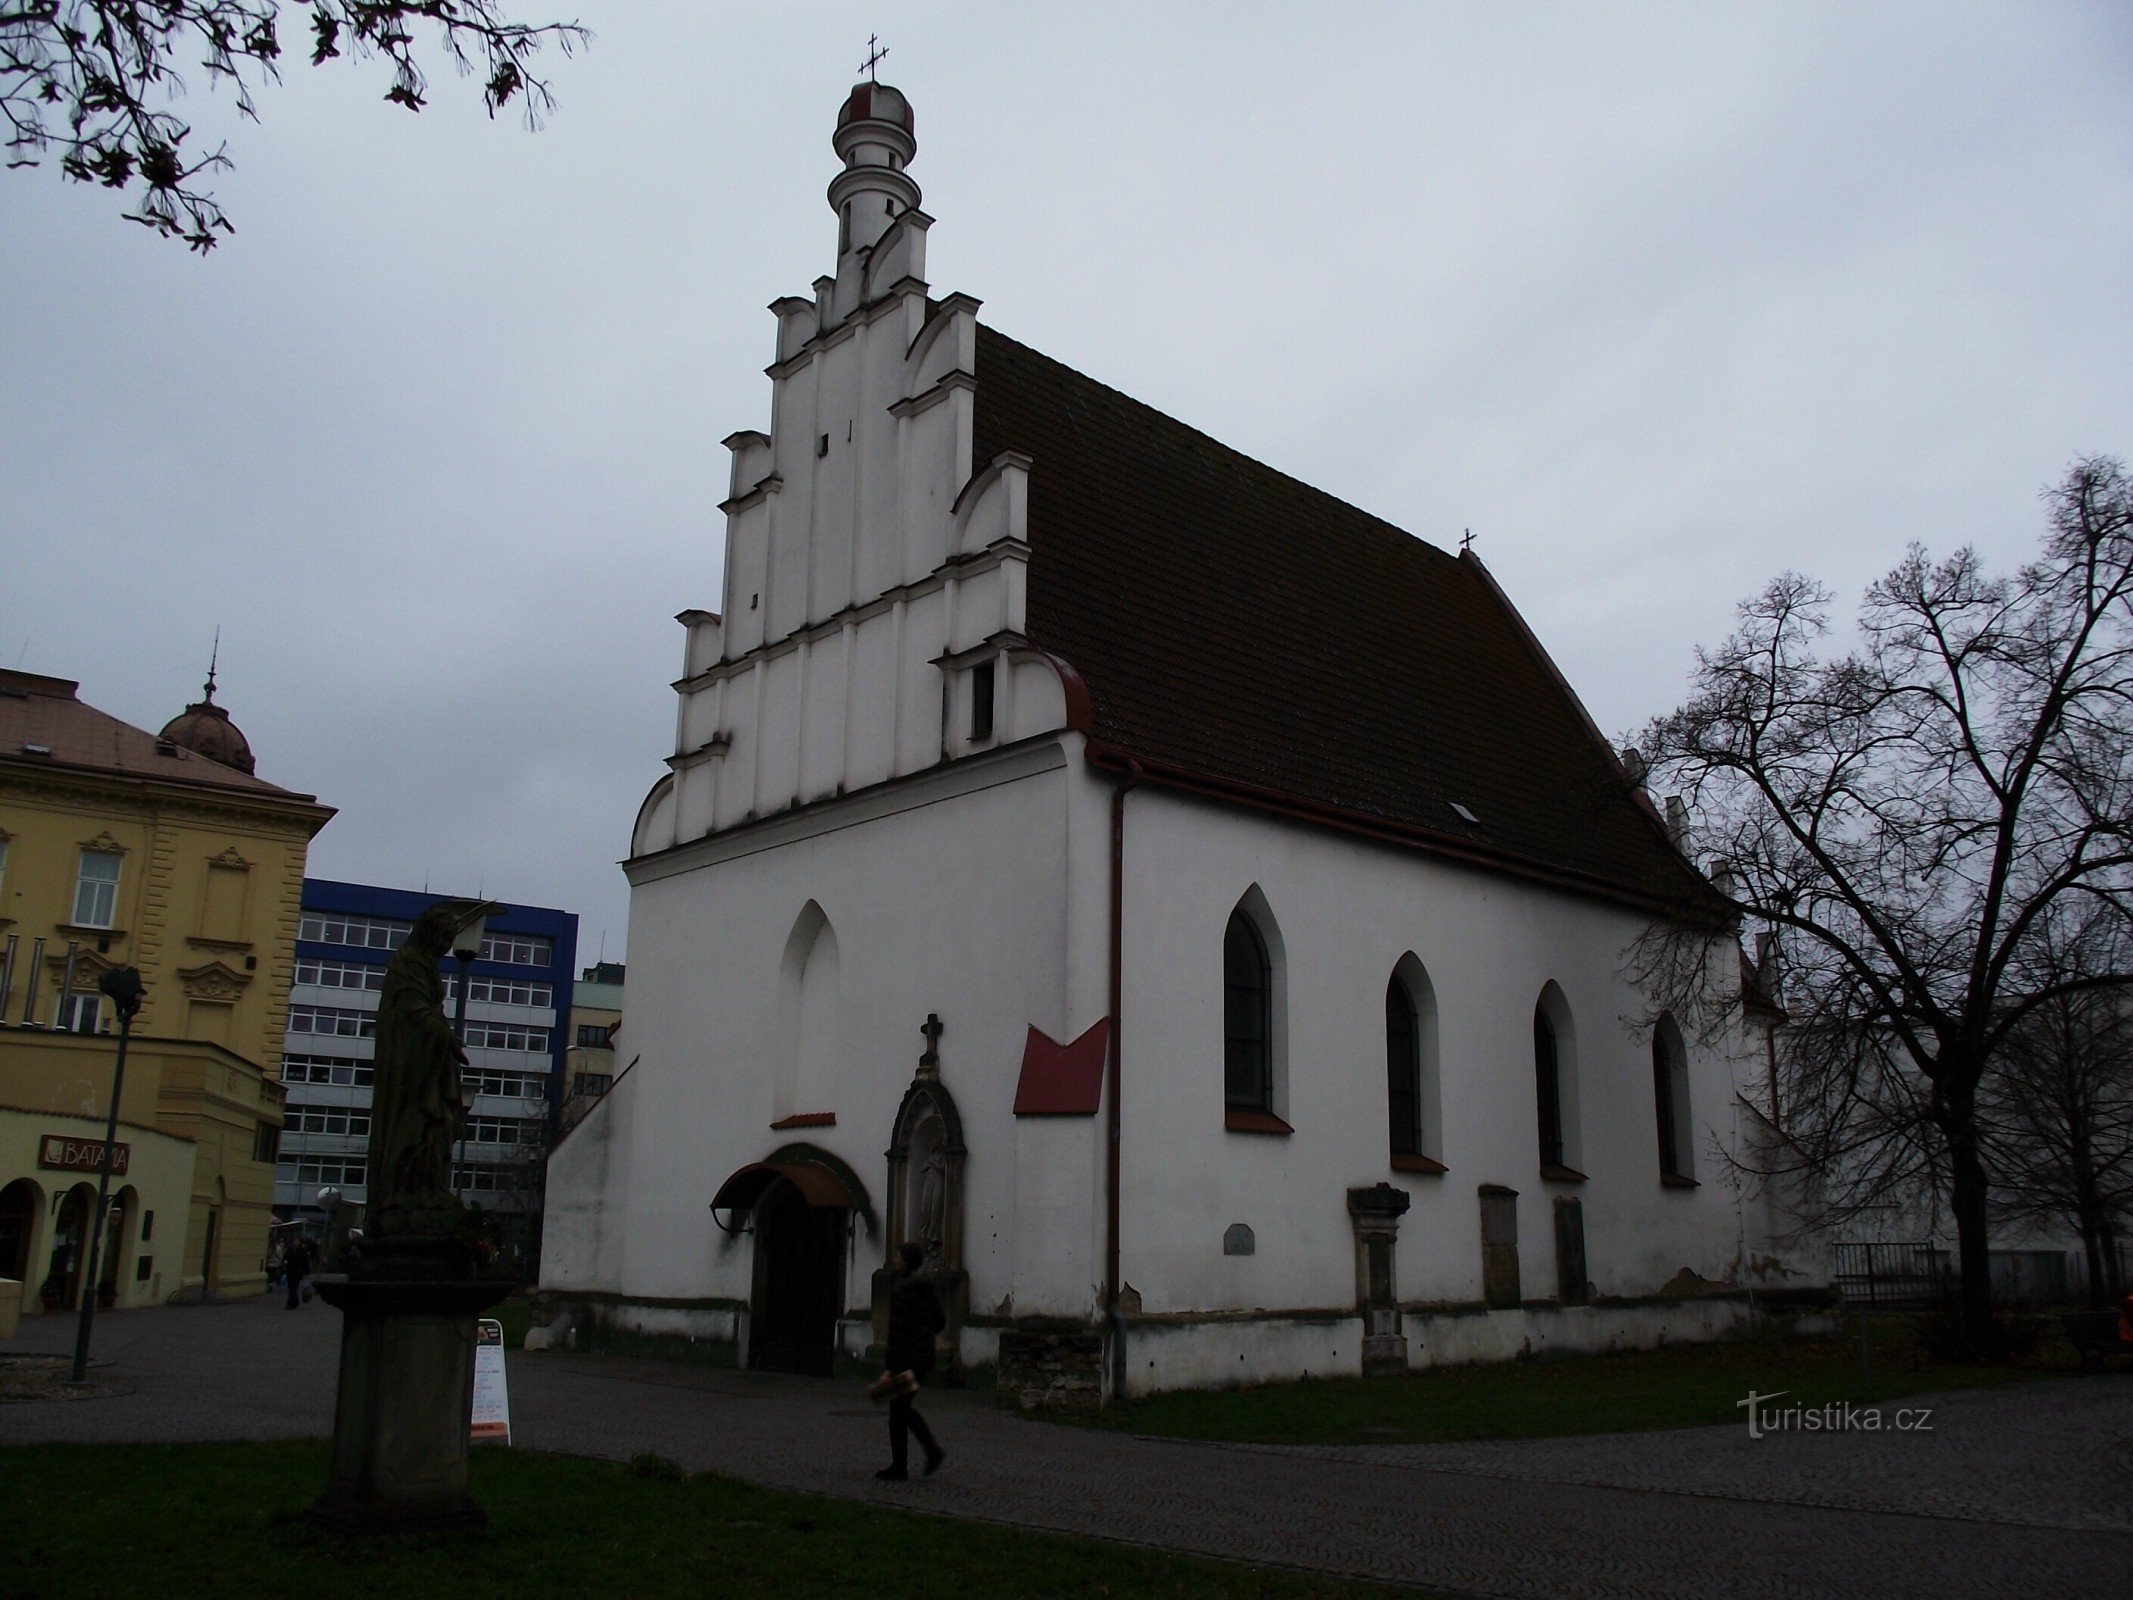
x=80, y=1155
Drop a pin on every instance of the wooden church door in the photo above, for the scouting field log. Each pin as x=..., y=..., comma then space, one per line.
x=799, y=1284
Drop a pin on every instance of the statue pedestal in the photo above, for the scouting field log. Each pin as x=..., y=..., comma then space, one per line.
x=400, y=1419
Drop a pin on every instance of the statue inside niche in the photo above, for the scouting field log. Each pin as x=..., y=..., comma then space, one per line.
x=932, y=1202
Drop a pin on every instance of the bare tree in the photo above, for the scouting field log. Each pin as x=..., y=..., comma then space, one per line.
x=2057, y=1104
x=1908, y=816
x=92, y=79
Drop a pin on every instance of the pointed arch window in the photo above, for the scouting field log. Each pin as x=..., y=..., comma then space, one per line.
x=1670, y=1103
x=1415, y=1134
x=1548, y=1088
x=1247, y=1017
x=1403, y=1068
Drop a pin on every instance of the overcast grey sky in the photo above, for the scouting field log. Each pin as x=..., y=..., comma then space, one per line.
x=1657, y=299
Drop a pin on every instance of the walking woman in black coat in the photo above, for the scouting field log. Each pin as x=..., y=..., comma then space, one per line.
x=915, y=1316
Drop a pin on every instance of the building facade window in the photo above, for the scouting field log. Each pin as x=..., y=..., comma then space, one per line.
x=1555, y=1086
x=518, y=950
x=334, y=1021
x=96, y=889
x=327, y=1169
x=335, y=1070
x=506, y=1085
x=592, y=1036
x=482, y=1177
x=501, y=991
x=505, y=1036
x=341, y=975
x=981, y=685
x=337, y=1121
x=365, y=933
x=1403, y=1068
x=1548, y=1088
x=1670, y=1099
x=1247, y=1016
x=78, y=1013
x=1411, y=1093
x=504, y=1130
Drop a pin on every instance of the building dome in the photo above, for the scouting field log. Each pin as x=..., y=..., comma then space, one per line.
x=205, y=729
x=877, y=102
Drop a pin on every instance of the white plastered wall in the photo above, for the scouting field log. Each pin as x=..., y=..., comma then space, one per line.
x=948, y=896
x=1349, y=910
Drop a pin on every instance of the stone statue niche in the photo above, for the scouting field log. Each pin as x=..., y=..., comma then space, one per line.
x=926, y=1155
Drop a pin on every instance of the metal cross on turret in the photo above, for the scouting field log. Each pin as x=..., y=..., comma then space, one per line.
x=929, y=1064
x=875, y=51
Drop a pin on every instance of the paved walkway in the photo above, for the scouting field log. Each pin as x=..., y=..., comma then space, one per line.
x=2022, y=1491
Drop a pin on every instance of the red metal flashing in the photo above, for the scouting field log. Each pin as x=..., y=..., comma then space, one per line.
x=1421, y=1164
x=805, y=1119
x=1237, y=1119
x=1063, y=1080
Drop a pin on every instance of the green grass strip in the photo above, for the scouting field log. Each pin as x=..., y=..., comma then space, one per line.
x=87, y=1522
x=1679, y=1386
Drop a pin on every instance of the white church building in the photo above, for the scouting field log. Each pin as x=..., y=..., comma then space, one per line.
x=1192, y=907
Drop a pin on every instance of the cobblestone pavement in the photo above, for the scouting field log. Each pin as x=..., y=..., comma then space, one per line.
x=2022, y=1491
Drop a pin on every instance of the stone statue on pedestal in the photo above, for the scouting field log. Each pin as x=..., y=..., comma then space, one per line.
x=420, y=1103
x=408, y=1304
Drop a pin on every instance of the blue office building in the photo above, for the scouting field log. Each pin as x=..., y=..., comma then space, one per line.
x=518, y=999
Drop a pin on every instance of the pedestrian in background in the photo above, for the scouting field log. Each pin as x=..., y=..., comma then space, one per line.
x=915, y=1317
x=297, y=1262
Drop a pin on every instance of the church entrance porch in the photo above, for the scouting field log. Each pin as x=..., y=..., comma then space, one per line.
x=799, y=1283
x=799, y=1204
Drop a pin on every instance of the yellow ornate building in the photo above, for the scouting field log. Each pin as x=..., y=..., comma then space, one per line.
x=164, y=852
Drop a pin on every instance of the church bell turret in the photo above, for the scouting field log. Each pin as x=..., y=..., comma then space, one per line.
x=876, y=137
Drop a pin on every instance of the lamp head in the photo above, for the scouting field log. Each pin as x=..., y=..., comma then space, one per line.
x=473, y=922
x=123, y=986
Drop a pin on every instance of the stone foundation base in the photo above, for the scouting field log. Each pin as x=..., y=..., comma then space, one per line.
x=1383, y=1353
x=1051, y=1369
x=400, y=1416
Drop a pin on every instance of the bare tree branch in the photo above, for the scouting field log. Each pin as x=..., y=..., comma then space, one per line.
x=1921, y=820
x=90, y=81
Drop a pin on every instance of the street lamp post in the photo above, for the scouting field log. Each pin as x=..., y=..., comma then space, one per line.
x=123, y=985
x=466, y=944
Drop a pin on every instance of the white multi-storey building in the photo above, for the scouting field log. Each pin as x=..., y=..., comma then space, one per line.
x=1190, y=906
x=518, y=990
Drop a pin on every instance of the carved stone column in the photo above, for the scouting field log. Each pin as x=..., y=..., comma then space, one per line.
x=1375, y=1215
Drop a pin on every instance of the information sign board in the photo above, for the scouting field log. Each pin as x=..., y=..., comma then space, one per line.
x=491, y=1419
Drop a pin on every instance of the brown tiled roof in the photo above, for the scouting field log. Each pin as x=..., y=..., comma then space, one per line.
x=44, y=724
x=1235, y=623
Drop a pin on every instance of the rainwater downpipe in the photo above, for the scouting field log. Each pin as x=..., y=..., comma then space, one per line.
x=1113, y=1317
